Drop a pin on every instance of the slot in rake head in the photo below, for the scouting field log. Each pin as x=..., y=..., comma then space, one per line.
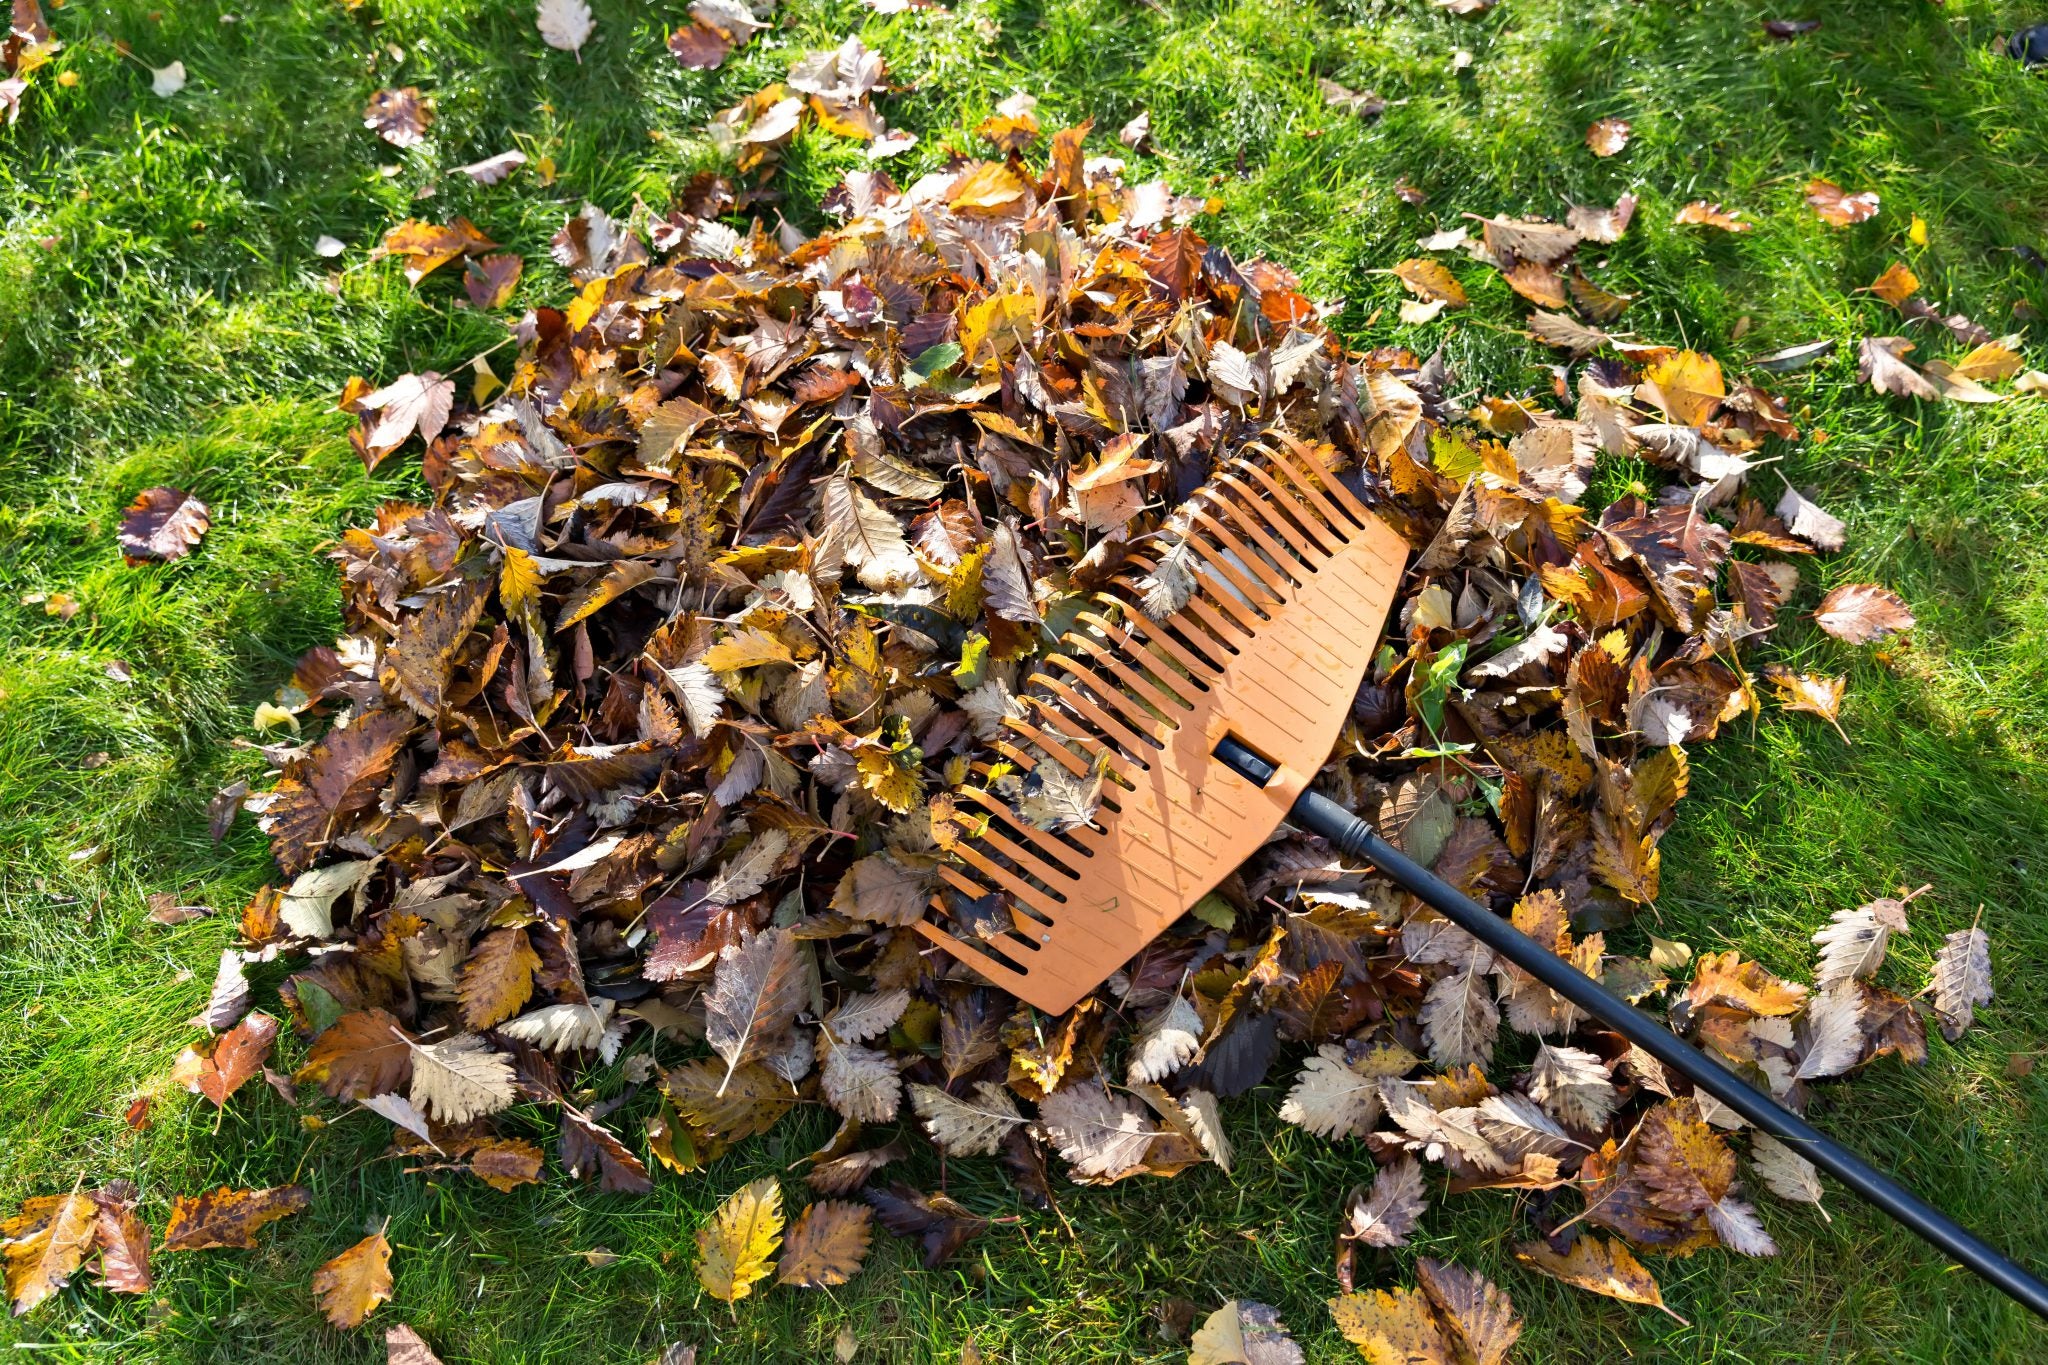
x=1293, y=579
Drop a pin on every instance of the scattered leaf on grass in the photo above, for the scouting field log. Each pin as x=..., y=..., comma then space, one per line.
x=1700, y=213
x=565, y=25
x=349, y=1287
x=736, y=1248
x=400, y=116
x=1961, y=980
x=219, y=1067
x=1607, y=136
x=1242, y=1332
x=826, y=1244
x=1809, y=692
x=1603, y=1265
x=1838, y=208
x=45, y=1244
x=229, y=1217
x=405, y=1346
x=162, y=524
x=1863, y=613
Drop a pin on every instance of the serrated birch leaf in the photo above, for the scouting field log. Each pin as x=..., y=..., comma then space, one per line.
x=736, y=1247
x=963, y=1127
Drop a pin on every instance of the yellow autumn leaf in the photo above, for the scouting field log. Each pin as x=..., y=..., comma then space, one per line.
x=736, y=1249
x=990, y=187
x=519, y=582
x=889, y=781
x=999, y=324
x=1687, y=386
x=746, y=649
x=349, y=1287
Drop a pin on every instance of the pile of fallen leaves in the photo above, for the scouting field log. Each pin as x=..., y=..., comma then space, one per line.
x=640, y=742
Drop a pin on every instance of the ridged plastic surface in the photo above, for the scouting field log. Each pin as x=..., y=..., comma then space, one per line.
x=1294, y=580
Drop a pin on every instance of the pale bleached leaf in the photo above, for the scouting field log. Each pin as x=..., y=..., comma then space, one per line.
x=307, y=905
x=1961, y=980
x=1440, y=1133
x=756, y=991
x=1573, y=1086
x=564, y=1027
x=1460, y=1020
x=460, y=1079
x=564, y=24
x=1739, y=1229
x=868, y=536
x=1784, y=1172
x=1330, y=1099
x=1852, y=943
x=970, y=1127
x=1101, y=1135
x=1517, y=1126
x=700, y=693
x=1165, y=1042
x=1834, y=1020
x=1384, y=1215
x=860, y=1017
x=1205, y=1116
x=749, y=869
x=860, y=1082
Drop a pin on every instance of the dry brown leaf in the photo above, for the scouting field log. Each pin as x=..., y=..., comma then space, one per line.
x=1431, y=281
x=497, y=981
x=1392, y=1327
x=400, y=116
x=221, y=1066
x=1896, y=284
x=1810, y=693
x=1700, y=213
x=162, y=524
x=826, y=1244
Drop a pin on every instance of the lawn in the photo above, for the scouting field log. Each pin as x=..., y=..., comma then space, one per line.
x=166, y=320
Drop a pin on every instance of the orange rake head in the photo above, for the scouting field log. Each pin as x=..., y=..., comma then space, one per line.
x=1292, y=579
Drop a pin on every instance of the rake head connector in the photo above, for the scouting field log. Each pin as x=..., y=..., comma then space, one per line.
x=1288, y=579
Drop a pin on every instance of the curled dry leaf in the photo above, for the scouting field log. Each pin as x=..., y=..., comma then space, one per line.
x=1809, y=692
x=162, y=524
x=1961, y=980
x=1700, y=213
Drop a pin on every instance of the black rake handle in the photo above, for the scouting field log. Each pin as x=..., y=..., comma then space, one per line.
x=1355, y=838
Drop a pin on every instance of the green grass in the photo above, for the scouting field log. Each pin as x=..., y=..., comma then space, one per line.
x=166, y=320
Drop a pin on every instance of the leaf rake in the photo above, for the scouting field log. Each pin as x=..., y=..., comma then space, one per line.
x=1209, y=724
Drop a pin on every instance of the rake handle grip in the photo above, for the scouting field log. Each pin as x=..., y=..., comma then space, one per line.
x=1355, y=838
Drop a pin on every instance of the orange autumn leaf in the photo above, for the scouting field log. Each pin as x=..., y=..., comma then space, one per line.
x=229, y=1217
